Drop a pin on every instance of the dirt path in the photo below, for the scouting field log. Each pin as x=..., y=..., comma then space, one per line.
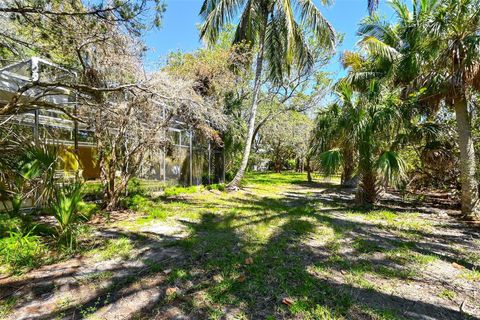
x=305, y=243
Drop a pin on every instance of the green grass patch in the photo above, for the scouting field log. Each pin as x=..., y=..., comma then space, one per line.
x=366, y=246
x=6, y=306
x=8, y=223
x=88, y=209
x=404, y=255
x=114, y=248
x=471, y=275
x=176, y=190
x=20, y=251
x=447, y=294
x=216, y=186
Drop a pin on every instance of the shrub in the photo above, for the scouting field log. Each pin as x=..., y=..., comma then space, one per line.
x=64, y=207
x=8, y=223
x=21, y=250
x=87, y=209
x=175, y=190
x=137, y=202
x=135, y=187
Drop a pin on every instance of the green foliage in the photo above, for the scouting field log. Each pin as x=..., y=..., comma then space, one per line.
x=137, y=202
x=284, y=41
x=65, y=209
x=392, y=167
x=175, y=190
x=8, y=223
x=115, y=248
x=331, y=161
x=471, y=275
x=21, y=251
x=26, y=170
x=135, y=187
x=216, y=186
x=6, y=306
x=87, y=209
x=447, y=294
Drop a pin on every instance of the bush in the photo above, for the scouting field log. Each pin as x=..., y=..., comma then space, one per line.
x=87, y=209
x=135, y=187
x=20, y=250
x=137, y=202
x=8, y=223
x=229, y=175
x=175, y=190
x=65, y=209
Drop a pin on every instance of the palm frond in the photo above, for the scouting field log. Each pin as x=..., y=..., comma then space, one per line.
x=331, y=161
x=391, y=167
x=312, y=18
x=351, y=59
x=376, y=47
x=217, y=13
x=248, y=25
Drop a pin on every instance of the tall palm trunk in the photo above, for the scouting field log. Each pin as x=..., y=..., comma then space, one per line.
x=367, y=192
x=253, y=111
x=348, y=167
x=469, y=199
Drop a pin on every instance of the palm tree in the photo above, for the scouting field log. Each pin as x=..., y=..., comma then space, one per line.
x=456, y=27
x=366, y=125
x=332, y=140
x=270, y=26
x=432, y=52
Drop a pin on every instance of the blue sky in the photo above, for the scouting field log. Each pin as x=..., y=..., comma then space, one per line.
x=179, y=30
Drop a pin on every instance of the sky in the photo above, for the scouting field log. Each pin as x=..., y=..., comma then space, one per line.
x=179, y=29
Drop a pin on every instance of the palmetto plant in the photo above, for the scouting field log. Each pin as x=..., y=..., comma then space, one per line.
x=276, y=29
x=64, y=208
x=433, y=50
x=332, y=139
x=366, y=126
x=26, y=171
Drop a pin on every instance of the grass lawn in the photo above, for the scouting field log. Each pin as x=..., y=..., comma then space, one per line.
x=280, y=248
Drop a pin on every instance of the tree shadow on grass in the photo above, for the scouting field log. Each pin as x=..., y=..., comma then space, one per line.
x=214, y=274
x=35, y=294
x=282, y=268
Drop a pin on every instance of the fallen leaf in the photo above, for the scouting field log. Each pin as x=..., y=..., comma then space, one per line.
x=242, y=278
x=167, y=271
x=248, y=260
x=457, y=266
x=217, y=278
x=170, y=291
x=287, y=301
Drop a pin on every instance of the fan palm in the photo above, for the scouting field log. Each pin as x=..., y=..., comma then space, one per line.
x=432, y=51
x=332, y=140
x=273, y=27
x=366, y=126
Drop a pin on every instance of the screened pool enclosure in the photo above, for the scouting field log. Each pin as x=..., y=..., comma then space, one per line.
x=188, y=159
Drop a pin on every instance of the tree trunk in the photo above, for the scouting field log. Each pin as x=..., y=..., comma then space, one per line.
x=348, y=167
x=253, y=112
x=309, y=170
x=469, y=199
x=367, y=193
